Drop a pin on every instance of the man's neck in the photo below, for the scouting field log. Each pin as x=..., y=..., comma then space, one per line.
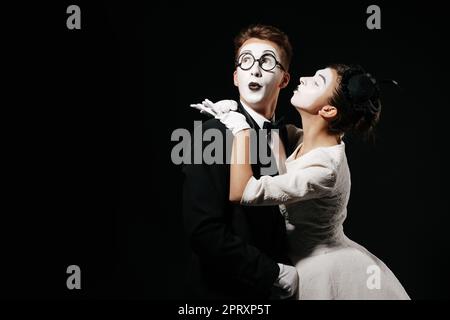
x=260, y=115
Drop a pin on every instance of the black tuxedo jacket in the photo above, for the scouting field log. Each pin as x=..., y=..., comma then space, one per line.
x=235, y=249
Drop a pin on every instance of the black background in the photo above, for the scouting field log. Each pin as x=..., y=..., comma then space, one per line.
x=88, y=175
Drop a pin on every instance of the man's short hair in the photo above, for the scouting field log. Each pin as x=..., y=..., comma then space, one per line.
x=266, y=32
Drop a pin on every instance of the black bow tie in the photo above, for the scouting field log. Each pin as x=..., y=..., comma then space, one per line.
x=274, y=125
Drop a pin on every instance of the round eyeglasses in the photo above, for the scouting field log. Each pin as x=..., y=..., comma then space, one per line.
x=267, y=62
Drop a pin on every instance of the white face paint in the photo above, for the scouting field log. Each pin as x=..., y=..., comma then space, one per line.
x=314, y=92
x=257, y=86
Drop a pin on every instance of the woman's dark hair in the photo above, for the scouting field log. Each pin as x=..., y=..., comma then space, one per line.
x=357, y=98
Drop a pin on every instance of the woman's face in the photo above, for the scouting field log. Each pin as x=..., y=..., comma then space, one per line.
x=314, y=92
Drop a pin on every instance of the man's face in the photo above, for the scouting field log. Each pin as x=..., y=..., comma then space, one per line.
x=256, y=85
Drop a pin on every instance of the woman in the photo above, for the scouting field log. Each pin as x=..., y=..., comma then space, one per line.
x=316, y=187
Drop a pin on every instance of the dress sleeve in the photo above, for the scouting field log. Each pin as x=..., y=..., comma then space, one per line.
x=309, y=182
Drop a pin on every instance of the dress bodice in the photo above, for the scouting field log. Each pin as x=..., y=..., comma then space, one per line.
x=314, y=191
x=318, y=222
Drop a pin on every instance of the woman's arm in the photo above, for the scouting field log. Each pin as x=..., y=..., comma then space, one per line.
x=240, y=169
x=308, y=182
x=311, y=181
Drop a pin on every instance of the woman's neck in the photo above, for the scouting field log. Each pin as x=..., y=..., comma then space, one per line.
x=315, y=133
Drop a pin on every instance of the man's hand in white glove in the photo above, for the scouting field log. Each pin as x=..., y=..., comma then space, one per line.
x=287, y=280
x=223, y=110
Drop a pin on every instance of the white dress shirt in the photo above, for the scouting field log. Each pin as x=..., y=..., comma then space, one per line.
x=275, y=143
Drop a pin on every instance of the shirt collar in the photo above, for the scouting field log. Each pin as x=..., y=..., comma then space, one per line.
x=259, y=119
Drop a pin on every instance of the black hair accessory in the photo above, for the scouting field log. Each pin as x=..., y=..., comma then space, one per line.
x=358, y=86
x=362, y=90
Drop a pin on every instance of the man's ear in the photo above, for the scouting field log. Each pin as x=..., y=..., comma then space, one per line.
x=285, y=80
x=235, y=80
x=328, y=112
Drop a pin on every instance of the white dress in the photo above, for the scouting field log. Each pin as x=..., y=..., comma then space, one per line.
x=315, y=191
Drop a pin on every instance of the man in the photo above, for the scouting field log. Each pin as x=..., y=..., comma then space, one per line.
x=240, y=252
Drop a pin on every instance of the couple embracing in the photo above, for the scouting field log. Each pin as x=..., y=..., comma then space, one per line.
x=255, y=235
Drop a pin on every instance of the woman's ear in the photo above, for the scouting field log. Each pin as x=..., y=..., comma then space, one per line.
x=328, y=112
x=235, y=80
x=285, y=80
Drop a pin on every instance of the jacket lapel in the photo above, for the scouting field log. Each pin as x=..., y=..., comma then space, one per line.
x=249, y=119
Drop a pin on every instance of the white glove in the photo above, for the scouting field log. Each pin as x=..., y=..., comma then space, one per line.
x=222, y=106
x=287, y=280
x=223, y=111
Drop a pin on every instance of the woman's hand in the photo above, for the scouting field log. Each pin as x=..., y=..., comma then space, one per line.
x=223, y=111
x=220, y=107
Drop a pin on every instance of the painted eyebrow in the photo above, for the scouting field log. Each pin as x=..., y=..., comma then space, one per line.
x=269, y=51
x=265, y=51
x=323, y=78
